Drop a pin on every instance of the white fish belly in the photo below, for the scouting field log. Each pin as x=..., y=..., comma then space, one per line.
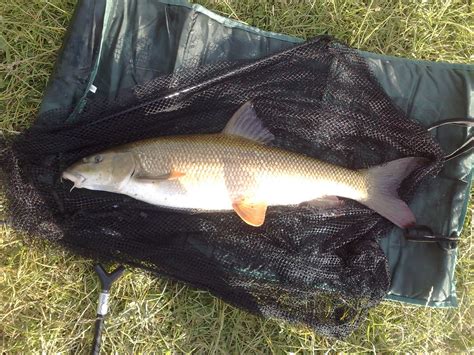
x=209, y=196
x=213, y=195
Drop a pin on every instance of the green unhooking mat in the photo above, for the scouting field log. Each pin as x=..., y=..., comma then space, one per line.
x=114, y=45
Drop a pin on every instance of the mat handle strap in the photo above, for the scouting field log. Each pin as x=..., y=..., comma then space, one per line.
x=466, y=146
x=424, y=234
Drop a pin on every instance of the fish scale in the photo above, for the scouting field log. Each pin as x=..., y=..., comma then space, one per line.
x=248, y=169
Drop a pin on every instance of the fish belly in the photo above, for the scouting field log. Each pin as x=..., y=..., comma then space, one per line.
x=210, y=196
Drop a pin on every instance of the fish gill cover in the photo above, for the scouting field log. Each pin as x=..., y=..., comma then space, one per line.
x=320, y=268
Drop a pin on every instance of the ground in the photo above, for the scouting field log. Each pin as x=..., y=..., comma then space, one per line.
x=48, y=297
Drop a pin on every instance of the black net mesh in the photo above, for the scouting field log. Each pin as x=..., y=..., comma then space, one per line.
x=321, y=268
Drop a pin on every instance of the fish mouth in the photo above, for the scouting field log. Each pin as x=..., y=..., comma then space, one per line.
x=76, y=178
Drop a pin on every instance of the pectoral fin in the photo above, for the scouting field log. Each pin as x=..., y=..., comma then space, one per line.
x=172, y=175
x=251, y=213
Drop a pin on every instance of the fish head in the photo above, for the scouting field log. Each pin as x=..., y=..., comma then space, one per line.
x=106, y=171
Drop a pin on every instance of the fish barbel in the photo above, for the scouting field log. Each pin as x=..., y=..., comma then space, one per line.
x=237, y=170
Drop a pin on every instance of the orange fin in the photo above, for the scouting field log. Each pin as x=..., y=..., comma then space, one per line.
x=173, y=175
x=251, y=213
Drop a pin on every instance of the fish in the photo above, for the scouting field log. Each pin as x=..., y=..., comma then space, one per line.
x=239, y=169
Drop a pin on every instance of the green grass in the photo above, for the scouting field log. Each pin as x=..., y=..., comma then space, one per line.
x=48, y=297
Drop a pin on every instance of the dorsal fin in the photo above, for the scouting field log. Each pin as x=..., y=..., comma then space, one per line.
x=245, y=123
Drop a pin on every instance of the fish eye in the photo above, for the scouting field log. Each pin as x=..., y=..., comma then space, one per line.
x=98, y=159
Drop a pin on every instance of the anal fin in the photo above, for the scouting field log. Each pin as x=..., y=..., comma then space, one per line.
x=324, y=202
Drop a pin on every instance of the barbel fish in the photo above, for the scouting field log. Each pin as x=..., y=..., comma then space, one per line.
x=238, y=170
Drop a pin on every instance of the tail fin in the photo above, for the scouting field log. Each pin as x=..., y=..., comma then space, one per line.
x=383, y=182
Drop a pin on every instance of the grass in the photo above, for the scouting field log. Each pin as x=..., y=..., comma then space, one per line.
x=48, y=297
